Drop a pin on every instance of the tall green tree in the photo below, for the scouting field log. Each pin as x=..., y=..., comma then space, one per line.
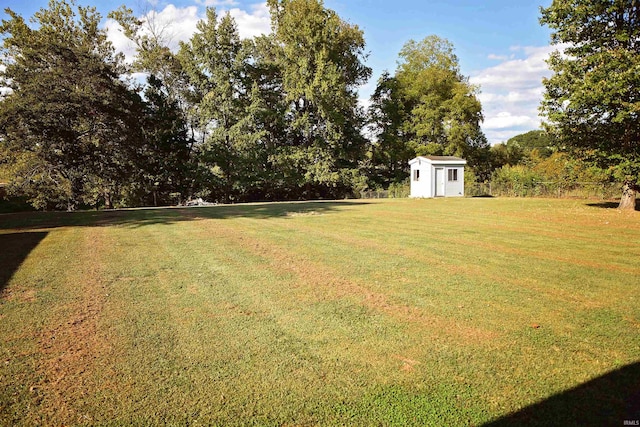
x=164, y=172
x=216, y=63
x=269, y=112
x=592, y=101
x=444, y=113
x=69, y=121
x=321, y=61
x=427, y=108
x=390, y=151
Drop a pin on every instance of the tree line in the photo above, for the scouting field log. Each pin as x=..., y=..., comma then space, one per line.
x=227, y=119
x=276, y=117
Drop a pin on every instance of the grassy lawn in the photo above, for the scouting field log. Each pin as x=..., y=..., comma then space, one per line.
x=385, y=312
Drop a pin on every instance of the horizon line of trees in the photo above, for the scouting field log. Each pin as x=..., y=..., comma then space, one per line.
x=275, y=117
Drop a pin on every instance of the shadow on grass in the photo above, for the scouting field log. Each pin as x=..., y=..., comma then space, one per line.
x=611, y=205
x=608, y=400
x=151, y=216
x=15, y=249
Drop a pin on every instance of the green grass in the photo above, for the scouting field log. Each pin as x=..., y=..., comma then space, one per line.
x=386, y=312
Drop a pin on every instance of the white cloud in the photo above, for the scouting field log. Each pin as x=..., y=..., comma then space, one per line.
x=497, y=57
x=179, y=24
x=516, y=73
x=511, y=91
x=512, y=97
x=506, y=120
x=253, y=23
x=364, y=103
x=175, y=24
x=217, y=2
x=119, y=41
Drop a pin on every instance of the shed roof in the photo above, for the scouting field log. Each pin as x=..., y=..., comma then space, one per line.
x=442, y=160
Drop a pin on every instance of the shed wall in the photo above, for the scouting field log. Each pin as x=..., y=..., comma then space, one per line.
x=425, y=184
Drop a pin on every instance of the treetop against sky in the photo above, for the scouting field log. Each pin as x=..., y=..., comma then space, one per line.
x=500, y=43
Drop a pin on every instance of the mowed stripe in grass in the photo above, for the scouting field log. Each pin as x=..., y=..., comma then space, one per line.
x=442, y=256
x=280, y=351
x=382, y=312
x=490, y=288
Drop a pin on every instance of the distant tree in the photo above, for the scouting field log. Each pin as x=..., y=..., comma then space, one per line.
x=443, y=107
x=592, y=101
x=522, y=148
x=164, y=163
x=427, y=108
x=506, y=154
x=538, y=140
x=215, y=61
x=390, y=151
x=480, y=162
x=69, y=121
x=320, y=57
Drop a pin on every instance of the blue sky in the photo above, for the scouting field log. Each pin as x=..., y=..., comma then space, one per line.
x=500, y=44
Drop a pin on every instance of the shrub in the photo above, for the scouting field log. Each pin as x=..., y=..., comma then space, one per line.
x=399, y=190
x=516, y=180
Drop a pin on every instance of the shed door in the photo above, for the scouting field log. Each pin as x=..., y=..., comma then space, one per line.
x=439, y=182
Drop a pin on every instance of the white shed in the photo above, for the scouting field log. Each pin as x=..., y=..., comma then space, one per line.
x=437, y=176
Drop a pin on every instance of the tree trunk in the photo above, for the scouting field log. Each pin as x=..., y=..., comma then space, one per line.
x=628, y=199
x=107, y=200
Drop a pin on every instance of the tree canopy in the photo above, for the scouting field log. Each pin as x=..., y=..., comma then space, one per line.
x=592, y=101
x=522, y=147
x=68, y=120
x=443, y=106
x=427, y=108
x=275, y=117
x=320, y=58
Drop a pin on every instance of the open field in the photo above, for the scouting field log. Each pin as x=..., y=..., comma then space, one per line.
x=385, y=312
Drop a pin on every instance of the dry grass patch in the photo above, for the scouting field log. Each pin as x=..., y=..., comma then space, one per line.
x=72, y=347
